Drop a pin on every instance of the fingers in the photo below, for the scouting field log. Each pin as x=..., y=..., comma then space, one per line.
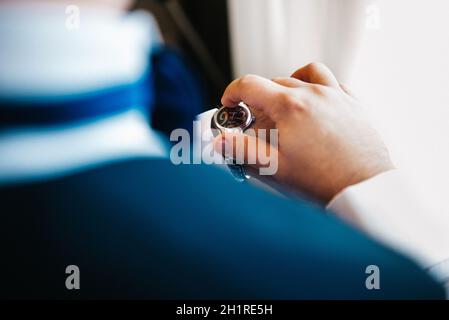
x=274, y=97
x=317, y=73
x=247, y=149
x=257, y=92
x=289, y=82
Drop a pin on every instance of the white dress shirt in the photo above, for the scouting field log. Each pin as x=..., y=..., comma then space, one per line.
x=386, y=209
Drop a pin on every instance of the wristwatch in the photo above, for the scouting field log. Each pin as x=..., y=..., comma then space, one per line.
x=234, y=120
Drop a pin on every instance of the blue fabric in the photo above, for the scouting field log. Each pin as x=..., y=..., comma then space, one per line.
x=149, y=229
x=171, y=94
x=75, y=108
x=179, y=96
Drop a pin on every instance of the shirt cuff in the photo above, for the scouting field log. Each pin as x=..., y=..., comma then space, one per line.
x=386, y=209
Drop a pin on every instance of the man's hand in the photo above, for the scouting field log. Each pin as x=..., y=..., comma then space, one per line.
x=325, y=145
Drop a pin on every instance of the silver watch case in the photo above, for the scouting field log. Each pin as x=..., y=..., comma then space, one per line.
x=237, y=170
x=250, y=119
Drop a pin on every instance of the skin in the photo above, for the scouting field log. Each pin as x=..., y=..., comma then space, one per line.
x=325, y=144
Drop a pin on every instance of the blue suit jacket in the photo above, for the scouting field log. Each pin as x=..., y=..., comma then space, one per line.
x=148, y=229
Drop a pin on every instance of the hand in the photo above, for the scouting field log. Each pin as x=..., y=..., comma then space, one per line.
x=325, y=144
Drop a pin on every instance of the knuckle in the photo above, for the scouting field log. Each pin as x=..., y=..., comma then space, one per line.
x=247, y=80
x=315, y=66
x=286, y=99
x=319, y=90
x=303, y=106
x=291, y=102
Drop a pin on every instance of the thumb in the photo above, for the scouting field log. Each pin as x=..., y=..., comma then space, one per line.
x=316, y=73
x=247, y=149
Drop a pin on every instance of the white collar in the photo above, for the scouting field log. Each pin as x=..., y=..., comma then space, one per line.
x=39, y=56
x=38, y=154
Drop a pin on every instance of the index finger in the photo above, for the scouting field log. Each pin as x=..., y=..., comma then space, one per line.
x=257, y=92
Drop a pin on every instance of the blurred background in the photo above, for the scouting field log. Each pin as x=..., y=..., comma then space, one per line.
x=392, y=53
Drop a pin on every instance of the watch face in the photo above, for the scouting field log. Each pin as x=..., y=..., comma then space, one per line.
x=233, y=117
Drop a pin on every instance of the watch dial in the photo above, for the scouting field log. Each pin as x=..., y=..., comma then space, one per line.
x=232, y=117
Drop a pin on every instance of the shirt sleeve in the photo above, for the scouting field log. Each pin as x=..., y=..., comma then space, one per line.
x=387, y=209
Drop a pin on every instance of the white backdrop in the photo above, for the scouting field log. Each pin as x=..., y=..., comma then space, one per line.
x=394, y=54
x=275, y=37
